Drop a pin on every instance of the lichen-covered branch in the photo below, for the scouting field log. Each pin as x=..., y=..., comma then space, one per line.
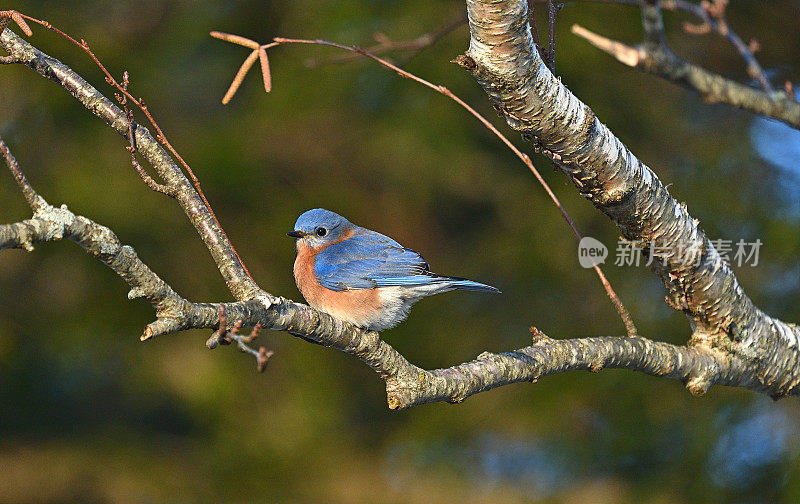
x=609, y=187
x=407, y=384
x=503, y=60
x=655, y=57
x=697, y=367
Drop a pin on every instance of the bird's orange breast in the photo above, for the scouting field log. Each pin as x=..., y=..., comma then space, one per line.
x=358, y=306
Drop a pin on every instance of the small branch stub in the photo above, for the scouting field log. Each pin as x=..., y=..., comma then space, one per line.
x=225, y=336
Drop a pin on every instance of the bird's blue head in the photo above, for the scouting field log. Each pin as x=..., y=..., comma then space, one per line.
x=319, y=227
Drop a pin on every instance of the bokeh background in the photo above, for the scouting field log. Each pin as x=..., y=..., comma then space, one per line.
x=90, y=414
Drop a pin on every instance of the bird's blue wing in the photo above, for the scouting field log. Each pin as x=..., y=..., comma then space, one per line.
x=369, y=260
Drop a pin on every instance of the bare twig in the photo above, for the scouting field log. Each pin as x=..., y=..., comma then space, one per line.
x=33, y=199
x=225, y=257
x=159, y=133
x=712, y=14
x=549, y=54
x=618, y=305
x=659, y=60
x=552, y=10
x=146, y=178
x=386, y=45
x=534, y=28
x=224, y=336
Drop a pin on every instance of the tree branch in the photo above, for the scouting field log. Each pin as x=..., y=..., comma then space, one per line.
x=239, y=283
x=713, y=16
x=386, y=45
x=251, y=44
x=655, y=57
x=504, y=61
x=407, y=384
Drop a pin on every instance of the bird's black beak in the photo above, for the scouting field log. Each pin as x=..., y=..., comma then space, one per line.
x=296, y=234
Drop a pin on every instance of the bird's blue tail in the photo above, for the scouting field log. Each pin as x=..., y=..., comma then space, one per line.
x=464, y=284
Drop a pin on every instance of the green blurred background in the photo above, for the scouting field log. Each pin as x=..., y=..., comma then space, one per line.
x=90, y=414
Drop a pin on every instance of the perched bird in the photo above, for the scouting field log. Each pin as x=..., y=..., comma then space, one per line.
x=361, y=276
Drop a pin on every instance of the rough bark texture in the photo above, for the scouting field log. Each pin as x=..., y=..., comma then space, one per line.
x=503, y=59
x=738, y=345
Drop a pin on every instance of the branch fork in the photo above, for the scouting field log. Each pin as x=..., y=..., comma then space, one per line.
x=749, y=348
x=225, y=336
x=654, y=56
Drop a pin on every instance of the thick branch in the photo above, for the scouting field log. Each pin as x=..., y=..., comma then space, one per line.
x=697, y=367
x=504, y=61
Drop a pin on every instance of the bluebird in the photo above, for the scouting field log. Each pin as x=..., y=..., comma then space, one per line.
x=362, y=276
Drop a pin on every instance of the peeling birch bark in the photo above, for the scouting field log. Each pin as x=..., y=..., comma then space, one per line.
x=503, y=59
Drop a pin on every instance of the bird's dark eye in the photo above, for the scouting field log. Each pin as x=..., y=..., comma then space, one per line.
x=321, y=231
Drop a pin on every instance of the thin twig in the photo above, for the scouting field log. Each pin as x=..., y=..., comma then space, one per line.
x=385, y=45
x=146, y=178
x=532, y=22
x=713, y=16
x=552, y=10
x=623, y=312
x=224, y=336
x=712, y=20
x=28, y=192
x=535, y=31
x=159, y=133
x=655, y=57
